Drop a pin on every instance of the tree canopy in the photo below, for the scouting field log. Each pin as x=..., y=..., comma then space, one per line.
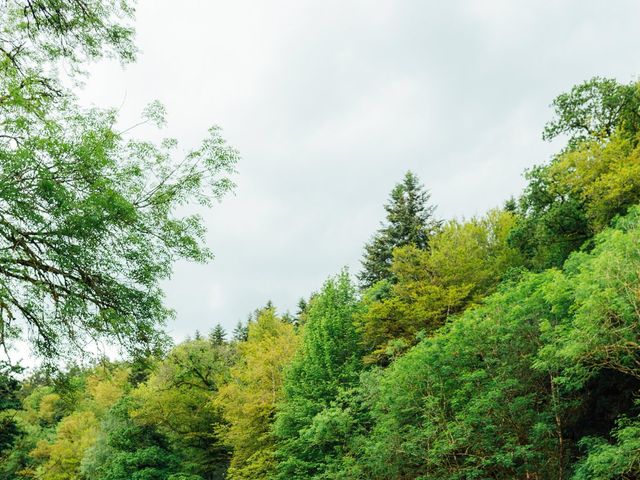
x=89, y=221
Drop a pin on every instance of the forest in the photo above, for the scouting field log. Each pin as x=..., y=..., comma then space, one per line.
x=503, y=346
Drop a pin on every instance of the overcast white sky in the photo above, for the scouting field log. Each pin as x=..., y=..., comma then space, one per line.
x=330, y=102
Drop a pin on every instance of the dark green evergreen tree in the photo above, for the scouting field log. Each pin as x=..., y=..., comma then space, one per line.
x=241, y=332
x=9, y=387
x=217, y=336
x=409, y=221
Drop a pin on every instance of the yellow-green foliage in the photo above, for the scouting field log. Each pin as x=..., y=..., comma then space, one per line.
x=538, y=382
x=604, y=175
x=47, y=410
x=249, y=399
x=106, y=387
x=59, y=456
x=179, y=391
x=465, y=262
x=75, y=434
x=176, y=400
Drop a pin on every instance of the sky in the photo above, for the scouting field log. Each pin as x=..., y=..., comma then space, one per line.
x=330, y=102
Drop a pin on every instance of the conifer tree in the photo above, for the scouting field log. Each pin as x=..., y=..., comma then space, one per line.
x=241, y=332
x=9, y=400
x=409, y=221
x=217, y=336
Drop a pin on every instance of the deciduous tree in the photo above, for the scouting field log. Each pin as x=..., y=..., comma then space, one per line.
x=89, y=221
x=328, y=362
x=250, y=397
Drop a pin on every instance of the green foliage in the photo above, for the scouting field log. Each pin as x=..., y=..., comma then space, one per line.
x=552, y=221
x=604, y=328
x=9, y=402
x=127, y=450
x=590, y=182
x=89, y=222
x=329, y=361
x=249, y=399
x=575, y=196
x=510, y=389
x=241, y=332
x=594, y=110
x=464, y=263
x=75, y=30
x=94, y=423
x=58, y=419
x=217, y=335
x=466, y=403
x=61, y=459
x=176, y=401
x=608, y=461
x=604, y=177
x=409, y=222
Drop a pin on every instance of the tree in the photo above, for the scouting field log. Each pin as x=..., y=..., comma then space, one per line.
x=593, y=179
x=301, y=312
x=249, y=399
x=241, y=332
x=409, y=222
x=552, y=221
x=75, y=407
x=465, y=262
x=594, y=110
x=217, y=335
x=607, y=461
x=177, y=402
x=88, y=216
x=605, y=177
x=576, y=196
x=466, y=402
x=9, y=402
x=127, y=450
x=605, y=325
x=328, y=362
x=75, y=434
x=538, y=381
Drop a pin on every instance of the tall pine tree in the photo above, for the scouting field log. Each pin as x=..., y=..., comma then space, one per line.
x=410, y=221
x=217, y=336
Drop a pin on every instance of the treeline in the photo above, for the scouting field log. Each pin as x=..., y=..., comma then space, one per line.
x=505, y=346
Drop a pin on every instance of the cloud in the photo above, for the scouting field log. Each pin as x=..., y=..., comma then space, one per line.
x=331, y=102
x=216, y=297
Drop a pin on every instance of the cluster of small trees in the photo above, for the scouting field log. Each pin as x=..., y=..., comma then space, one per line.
x=505, y=346
x=110, y=422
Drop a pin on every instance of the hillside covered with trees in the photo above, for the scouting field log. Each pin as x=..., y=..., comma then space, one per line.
x=504, y=346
